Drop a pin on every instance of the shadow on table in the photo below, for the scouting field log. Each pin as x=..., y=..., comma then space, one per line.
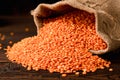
x=113, y=56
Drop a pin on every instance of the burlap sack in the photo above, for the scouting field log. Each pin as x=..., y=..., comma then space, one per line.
x=107, y=15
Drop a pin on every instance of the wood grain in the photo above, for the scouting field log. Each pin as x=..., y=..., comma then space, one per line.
x=13, y=71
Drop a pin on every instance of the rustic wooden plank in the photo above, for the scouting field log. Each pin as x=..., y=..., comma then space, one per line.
x=12, y=78
x=92, y=78
x=101, y=76
x=10, y=69
x=14, y=70
x=20, y=74
x=3, y=58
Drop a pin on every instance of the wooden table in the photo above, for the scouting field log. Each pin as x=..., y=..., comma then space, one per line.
x=12, y=71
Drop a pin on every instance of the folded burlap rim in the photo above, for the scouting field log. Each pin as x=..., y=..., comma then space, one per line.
x=106, y=13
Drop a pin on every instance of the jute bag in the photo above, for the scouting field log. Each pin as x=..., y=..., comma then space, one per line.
x=107, y=17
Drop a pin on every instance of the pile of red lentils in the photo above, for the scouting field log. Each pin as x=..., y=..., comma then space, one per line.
x=62, y=45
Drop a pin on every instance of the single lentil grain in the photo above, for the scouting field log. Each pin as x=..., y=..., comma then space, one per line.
x=84, y=72
x=77, y=73
x=2, y=38
x=0, y=46
x=27, y=29
x=62, y=46
x=10, y=42
x=111, y=69
x=11, y=33
x=64, y=75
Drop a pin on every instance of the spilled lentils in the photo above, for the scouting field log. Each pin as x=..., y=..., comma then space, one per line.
x=62, y=45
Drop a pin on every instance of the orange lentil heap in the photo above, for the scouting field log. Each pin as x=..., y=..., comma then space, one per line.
x=62, y=45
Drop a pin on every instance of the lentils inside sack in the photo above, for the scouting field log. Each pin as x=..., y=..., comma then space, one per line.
x=62, y=45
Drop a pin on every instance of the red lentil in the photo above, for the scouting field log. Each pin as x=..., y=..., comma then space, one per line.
x=10, y=42
x=111, y=69
x=2, y=38
x=62, y=46
x=64, y=75
x=27, y=29
x=11, y=33
x=0, y=46
x=77, y=73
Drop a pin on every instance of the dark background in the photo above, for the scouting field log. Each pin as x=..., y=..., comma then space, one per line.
x=20, y=7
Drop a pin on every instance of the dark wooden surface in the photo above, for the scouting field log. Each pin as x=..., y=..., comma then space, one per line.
x=12, y=71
